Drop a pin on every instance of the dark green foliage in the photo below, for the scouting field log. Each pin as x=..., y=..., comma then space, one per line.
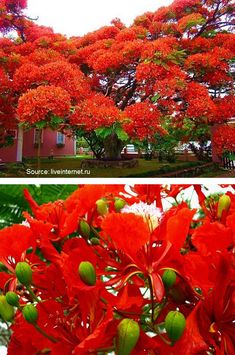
x=12, y=202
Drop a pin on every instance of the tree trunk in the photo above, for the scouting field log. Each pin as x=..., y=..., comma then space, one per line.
x=19, y=153
x=39, y=149
x=95, y=144
x=113, y=147
x=215, y=157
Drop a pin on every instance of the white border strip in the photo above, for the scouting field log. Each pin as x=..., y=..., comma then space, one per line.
x=116, y=181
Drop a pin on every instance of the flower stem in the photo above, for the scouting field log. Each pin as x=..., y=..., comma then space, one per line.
x=152, y=298
x=32, y=294
x=164, y=339
x=97, y=234
x=50, y=337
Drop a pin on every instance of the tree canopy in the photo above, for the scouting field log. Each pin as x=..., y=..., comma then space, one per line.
x=172, y=66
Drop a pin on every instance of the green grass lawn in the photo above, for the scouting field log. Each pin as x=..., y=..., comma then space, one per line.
x=217, y=173
x=63, y=167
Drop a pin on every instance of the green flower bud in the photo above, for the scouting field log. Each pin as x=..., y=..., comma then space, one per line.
x=12, y=298
x=95, y=241
x=24, y=273
x=175, y=324
x=223, y=205
x=169, y=278
x=119, y=204
x=30, y=313
x=6, y=310
x=102, y=207
x=87, y=273
x=128, y=336
x=84, y=229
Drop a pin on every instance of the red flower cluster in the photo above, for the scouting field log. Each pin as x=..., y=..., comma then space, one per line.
x=5, y=83
x=42, y=56
x=144, y=121
x=39, y=104
x=224, y=139
x=225, y=108
x=200, y=105
x=211, y=62
x=190, y=21
x=15, y=4
x=41, y=34
x=107, y=270
x=131, y=34
x=95, y=112
x=26, y=77
x=7, y=115
x=57, y=73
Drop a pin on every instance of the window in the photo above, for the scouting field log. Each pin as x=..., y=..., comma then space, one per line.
x=12, y=133
x=37, y=133
x=60, y=138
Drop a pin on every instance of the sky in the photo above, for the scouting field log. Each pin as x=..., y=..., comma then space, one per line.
x=76, y=18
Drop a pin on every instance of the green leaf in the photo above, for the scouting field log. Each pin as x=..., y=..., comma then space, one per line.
x=177, y=57
x=157, y=61
x=56, y=121
x=209, y=34
x=41, y=124
x=122, y=135
x=155, y=98
x=161, y=62
x=147, y=61
x=107, y=131
x=3, y=59
x=104, y=132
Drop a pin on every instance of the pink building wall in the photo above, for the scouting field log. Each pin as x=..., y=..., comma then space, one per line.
x=49, y=144
x=8, y=154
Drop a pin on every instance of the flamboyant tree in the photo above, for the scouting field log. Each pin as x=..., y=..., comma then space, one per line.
x=176, y=62
x=170, y=67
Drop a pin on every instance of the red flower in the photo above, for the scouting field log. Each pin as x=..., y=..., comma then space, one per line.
x=212, y=237
x=78, y=253
x=14, y=242
x=180, y=222
x=212, y=320
x=130, y=233
x=62, y=222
